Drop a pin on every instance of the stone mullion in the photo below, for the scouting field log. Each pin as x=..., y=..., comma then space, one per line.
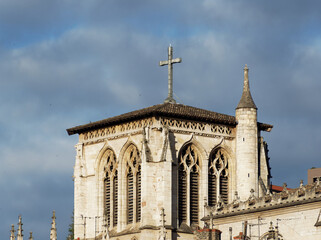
x=203, y=176
x=188, y=195
x=218, y=182
x=122, y=196
x=111, y=204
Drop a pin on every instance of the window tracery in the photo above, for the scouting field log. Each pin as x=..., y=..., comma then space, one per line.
x=188, y=185
x=111, y=188
x=133, y=181
x=217, y=177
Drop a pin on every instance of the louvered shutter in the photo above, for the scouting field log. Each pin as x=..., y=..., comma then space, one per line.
x=194, y=197
x=107, y=198
x=115, y=198
x=130, y=197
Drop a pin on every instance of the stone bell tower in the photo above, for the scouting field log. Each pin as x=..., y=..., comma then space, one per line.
x=164, y=164
x=246, y=142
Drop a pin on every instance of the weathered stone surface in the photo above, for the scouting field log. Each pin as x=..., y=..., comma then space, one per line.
x=168, y=137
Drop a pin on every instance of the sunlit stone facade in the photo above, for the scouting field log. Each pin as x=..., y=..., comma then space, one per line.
x=172, y=171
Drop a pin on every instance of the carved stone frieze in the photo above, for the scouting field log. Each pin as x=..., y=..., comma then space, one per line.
x=114, y=130
x=197, y=127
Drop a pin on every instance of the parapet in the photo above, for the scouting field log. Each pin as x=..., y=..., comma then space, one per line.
x=287, y=198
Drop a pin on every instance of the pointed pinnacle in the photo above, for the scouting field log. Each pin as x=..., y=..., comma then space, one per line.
x=246, y=99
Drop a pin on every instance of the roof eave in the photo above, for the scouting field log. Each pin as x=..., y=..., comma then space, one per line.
x=156, y=113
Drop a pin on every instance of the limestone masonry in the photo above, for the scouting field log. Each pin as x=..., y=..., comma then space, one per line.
x=172, y=171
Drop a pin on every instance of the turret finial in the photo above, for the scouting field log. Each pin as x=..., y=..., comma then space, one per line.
x=246, y=99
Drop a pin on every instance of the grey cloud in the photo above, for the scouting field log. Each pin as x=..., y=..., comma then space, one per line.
x=103, y=61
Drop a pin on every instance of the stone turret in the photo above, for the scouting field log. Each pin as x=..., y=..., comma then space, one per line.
x=19, y=231
x=246, y=142
x=30, y=237
x=53, y=231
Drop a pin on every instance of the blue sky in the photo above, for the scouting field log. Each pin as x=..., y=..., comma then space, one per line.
x=69, y=62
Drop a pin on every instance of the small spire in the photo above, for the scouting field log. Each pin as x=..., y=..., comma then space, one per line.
x=271, y=226
x=162, y=232
x=285, y=187
x=19, y=231
x=105, y=229
x=53, y=231
x=30, y=237
x=236, y=196
x=12, y=231
x=246, y=99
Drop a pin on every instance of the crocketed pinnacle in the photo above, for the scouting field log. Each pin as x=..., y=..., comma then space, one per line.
x=30, y=237
x=19, y=231
x=53, y=231
x=246, y=99
x=12, y=236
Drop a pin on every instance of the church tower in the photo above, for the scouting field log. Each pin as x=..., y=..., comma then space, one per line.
x=148, y=174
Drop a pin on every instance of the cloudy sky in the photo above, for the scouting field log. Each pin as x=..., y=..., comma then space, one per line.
x=69, y=62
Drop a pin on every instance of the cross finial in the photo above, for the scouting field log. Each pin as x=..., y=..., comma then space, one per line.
x=170, y=63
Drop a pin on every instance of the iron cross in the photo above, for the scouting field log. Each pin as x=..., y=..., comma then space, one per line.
x=170, y=63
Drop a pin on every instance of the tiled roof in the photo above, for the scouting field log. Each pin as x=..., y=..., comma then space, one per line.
x=166, y=110
x=275, y=188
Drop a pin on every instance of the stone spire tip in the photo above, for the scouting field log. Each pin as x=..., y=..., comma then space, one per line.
x=246, y=99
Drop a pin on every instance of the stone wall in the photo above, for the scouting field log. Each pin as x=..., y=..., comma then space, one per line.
x=295, y=212
x=159, y=142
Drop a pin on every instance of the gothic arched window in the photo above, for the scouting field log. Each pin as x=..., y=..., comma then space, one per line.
x=188, y=185
x=133, y=184
x=217, y=177
x=111, y=188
